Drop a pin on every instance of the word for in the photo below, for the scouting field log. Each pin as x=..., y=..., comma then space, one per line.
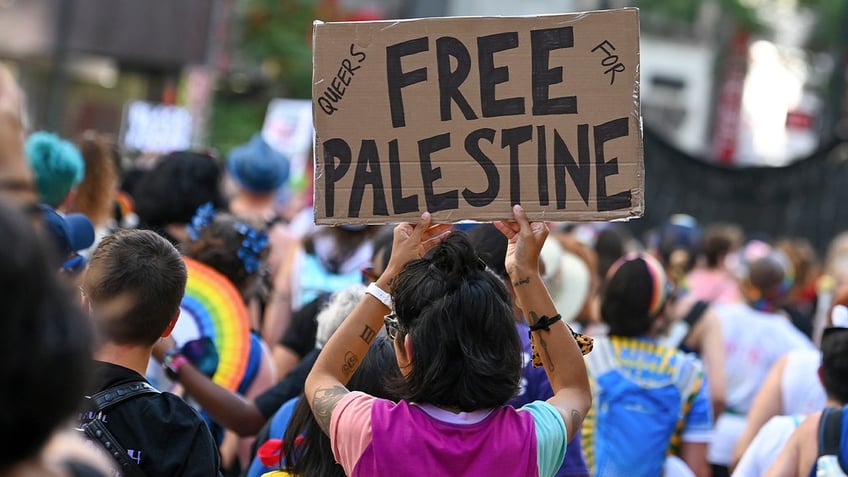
x=367, y=166
x=338, y=85
x=610, y=61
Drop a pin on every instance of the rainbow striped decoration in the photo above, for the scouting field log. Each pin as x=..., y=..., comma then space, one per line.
x=217, y=310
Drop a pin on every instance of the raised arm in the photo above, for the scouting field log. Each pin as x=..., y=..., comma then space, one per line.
x=706, y=337
x=325, y=385
x=559, y=352
x=227, y=408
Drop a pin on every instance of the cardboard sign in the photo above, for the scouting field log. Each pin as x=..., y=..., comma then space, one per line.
x=463, y=117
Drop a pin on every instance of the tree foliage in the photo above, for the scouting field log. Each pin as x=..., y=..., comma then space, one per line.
x=279, y=33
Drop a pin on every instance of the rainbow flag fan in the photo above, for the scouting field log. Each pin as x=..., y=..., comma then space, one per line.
x=213, y=307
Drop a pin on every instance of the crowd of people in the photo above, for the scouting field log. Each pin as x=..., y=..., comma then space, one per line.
x=512, y=348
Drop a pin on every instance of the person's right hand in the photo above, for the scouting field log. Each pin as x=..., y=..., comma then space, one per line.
x=411, y=242
x=525, y=241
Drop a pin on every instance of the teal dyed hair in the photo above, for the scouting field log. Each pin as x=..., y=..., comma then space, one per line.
x=57, y=164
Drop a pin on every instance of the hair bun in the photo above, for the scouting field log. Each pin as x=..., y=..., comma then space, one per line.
x=454, y=260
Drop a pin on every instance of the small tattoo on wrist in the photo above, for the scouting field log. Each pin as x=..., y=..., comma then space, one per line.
x=521, y=281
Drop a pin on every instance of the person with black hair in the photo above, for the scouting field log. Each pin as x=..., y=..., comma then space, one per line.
x=133, y=289
x=45, y=358
x=630, y=370
x=167, y=196
x=451, y=321
x=801, y=452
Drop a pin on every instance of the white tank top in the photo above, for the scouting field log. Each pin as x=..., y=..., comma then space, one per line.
x=800, y=386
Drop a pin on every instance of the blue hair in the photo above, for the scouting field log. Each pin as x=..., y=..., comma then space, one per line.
x=57, y=164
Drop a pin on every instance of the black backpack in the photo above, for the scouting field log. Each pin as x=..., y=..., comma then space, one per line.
x=830, y=441
x=96, y=429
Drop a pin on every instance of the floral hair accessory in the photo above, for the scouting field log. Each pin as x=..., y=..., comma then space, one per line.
x=251, y=247
x=202, y=218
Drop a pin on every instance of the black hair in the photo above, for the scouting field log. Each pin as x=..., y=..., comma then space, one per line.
x=312, y=455
x=626, y=299
x=834, y=348
x=45, y=343
x=491, y=246
x=465, y=349
x=171, y=192
x=145, y=269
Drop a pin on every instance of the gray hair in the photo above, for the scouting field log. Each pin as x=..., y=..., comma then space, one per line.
x=341, y=303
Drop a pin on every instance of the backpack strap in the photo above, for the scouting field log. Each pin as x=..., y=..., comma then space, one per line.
x=696, y=312
x=117, y=394
x=96, y=430
x=830, y=431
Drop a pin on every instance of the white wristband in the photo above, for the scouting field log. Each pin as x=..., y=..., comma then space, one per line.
x=380, y=294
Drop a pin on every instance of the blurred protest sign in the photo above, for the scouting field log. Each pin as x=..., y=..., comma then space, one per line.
x=464, y=117
x=288, y=129
x=156, y=128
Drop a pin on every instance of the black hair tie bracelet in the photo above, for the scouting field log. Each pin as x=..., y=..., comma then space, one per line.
x=585, y=343
x=545, y=322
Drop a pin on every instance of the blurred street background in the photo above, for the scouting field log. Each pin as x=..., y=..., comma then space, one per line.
x=744, y=101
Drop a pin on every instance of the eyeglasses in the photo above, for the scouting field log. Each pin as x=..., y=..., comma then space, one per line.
x=392, y=325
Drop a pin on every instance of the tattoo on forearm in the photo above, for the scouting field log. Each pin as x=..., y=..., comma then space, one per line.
x=324, y=401
x=534, y=318
x=576, y=419
x=349, y=365
x=368, y=334
x=521, y=281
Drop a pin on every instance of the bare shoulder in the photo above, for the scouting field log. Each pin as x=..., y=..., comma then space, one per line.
x=808, y=441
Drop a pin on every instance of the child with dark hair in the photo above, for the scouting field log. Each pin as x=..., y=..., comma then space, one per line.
x=630, y=371
x=133, y=288
x=451, y=322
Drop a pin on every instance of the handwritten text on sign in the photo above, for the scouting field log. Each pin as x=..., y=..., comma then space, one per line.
x=464, y=117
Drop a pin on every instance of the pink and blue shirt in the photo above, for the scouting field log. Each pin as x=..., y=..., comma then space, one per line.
x=377, y=437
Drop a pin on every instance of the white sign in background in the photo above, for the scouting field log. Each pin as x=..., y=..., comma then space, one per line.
x=157, y=128
x=288, y=129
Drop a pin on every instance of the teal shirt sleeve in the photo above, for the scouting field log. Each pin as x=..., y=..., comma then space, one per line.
x=551, y=437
